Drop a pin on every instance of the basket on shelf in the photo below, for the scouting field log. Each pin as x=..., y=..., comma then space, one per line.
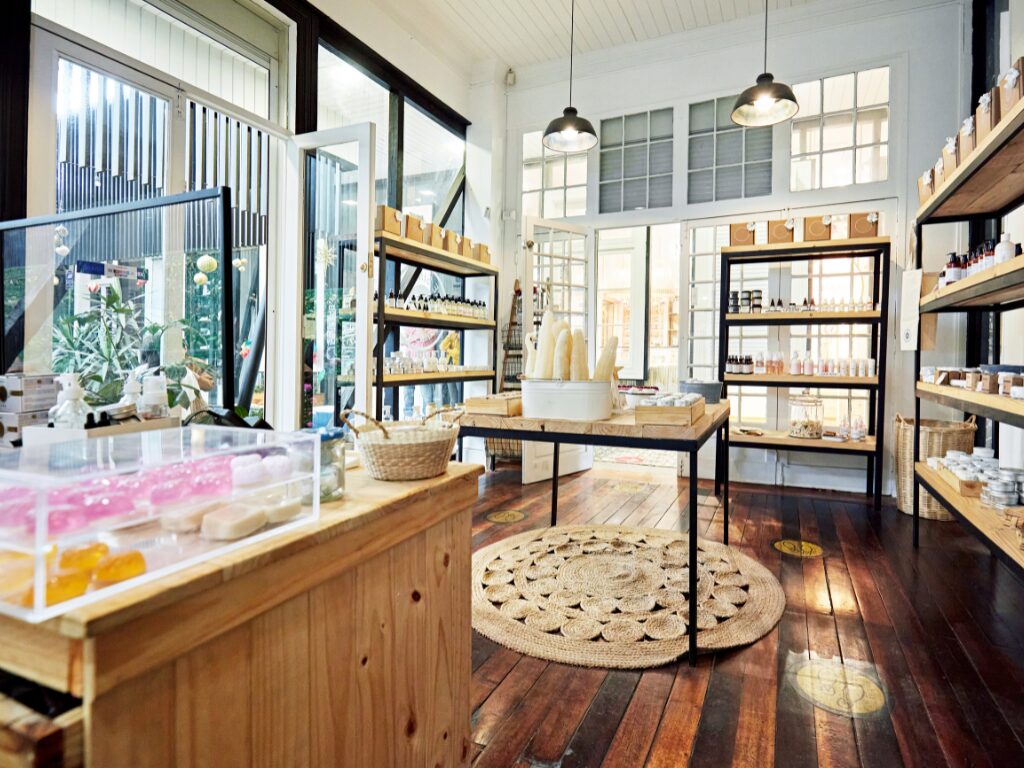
x=937, y=437
x=405, y=450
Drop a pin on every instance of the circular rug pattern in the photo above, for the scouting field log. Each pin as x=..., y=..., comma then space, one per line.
x=607, y=596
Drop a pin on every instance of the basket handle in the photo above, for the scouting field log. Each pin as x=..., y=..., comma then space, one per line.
x=972, y=419
x=900, y=419
x=368, y=417
x=460, y=412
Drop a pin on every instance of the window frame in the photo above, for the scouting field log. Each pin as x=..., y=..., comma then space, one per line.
x=622, y=146
x=744, y=164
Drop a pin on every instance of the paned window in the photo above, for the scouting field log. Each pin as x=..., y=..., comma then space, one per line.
x=636, y=162
x=841, y=134
x=433, y=165
x=554, y=183
x=726, y=161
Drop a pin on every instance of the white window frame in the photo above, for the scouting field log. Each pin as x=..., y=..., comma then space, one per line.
x=547, y=156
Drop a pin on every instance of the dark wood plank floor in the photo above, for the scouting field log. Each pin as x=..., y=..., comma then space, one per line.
x=942, y=627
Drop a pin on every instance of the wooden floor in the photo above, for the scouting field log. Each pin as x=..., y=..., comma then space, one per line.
x=943, y=628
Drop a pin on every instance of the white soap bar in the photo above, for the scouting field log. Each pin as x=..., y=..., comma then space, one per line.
x=284, y=510
x=233, y=522
x=186, y=517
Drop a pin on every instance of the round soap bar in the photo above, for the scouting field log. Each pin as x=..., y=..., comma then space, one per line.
x=83, y=558
x=120, y=566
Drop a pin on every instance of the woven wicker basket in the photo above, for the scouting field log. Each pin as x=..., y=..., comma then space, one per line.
x=937, y=437
x=406, y=450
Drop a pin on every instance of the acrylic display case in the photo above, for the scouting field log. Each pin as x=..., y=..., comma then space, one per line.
x=84, y=519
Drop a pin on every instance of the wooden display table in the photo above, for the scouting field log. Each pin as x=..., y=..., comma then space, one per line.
x=620, y=431
x=343, y=643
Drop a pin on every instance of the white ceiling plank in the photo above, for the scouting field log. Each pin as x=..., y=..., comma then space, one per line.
x=714, y=11
x=685, y=8
x=651, y=27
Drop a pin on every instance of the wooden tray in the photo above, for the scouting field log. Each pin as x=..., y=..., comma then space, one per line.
x=669, y=415
x=501, y=404
x=963, y=487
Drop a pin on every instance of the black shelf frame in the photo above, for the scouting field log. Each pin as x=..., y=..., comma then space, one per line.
x=387, y=253
x=771, y=318
x=880, y=251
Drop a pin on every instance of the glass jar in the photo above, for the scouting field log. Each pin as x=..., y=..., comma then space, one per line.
x=805, y=415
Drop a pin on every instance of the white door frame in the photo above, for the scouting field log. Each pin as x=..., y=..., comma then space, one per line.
x=285, y=294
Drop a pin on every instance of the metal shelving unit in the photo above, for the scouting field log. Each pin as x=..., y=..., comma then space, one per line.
x=984, y=186
x=876, y=248
x=391, y=248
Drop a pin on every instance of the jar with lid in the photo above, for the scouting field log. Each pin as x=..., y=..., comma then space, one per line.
x=805, y=416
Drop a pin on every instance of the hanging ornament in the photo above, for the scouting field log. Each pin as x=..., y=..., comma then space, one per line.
x=245, y=349
x=61, y=231
x=206, y=263
x=200, y=279
x=236, y=262
x=62, y=250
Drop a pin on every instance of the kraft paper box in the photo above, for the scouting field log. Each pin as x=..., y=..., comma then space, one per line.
x=967, y=139
x=388, y=220
x=1010, y=84
x=413, y=228
x=925, y=186
x=433, y=236
x=778, y=232
x=816, y=229
x=950, y=156
x=863, y=225
x=740, y=235
x=987, y=115
x=452, y=242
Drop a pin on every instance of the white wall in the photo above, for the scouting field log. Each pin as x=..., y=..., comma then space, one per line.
x=926, y=43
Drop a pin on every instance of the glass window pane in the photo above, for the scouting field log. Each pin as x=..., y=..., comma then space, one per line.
x=660, y=158
x=873, y=126
x=700, y=187
x=729, y=183
x=661, y=124
x=554, y=204
x=533, y=149
x=723, y=112
x=611, y=164
x=702, y=117
x=837, y=168
x=757, y=180
x=838, y=92
x=611, y=132
x=531, y=204
x=837, y=131
x=610, y=200
x=636, y=128
x=634, y=194
x=659, y=192
x=806, y=136
x=873, y=87
x=729, y=147
x=804, y=173
x=634, y=162
x=575, y=201
x=554, y=172
x=433, y=159
x=531, y=176
x=702, y=267
x=758, y=143
x=702, y=152
x=576, y=169
x=872, y=164
x=808, y=96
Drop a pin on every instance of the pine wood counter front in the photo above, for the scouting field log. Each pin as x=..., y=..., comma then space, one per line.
x=343, y=643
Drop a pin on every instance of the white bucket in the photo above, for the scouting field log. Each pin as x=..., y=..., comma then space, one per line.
x=574, y=400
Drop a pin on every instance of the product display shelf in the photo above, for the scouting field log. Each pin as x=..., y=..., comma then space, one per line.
x=391, y=248
x=987, y=183
x=787, y=380
x=878, y=249
x=983, y=523
x=811, y=317
x=782, y=440
x=985, y=186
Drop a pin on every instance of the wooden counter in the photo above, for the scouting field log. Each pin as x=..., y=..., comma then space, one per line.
x=343, y=643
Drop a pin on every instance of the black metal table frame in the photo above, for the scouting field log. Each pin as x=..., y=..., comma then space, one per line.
x=690, y=447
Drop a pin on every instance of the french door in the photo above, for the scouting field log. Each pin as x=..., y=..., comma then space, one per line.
x=560, y=264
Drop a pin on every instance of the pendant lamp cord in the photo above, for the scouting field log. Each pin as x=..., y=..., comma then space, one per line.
x=572, y=35
x=765, y=41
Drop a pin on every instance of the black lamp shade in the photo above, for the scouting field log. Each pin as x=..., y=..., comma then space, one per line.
x=570, y=133
x=766, y=103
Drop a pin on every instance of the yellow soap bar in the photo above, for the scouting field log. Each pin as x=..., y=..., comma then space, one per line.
x=61, y=587
x=83, y=558
x=234, y=521
x=15, y=577
x=121, y=566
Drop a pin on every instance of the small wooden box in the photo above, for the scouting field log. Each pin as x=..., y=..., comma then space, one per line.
x=946, y=378
x=482, y=253
x=967, y=139
x=1010, y=87
x=740, y=235
x=413, y=228
x=466, y=248
x=452, y=242
x=388, y=220
x=939, y=172
x=778, y=232
x=1009, y=382
x=861, y=225
x=28, y=737
x=987, y=115
x=925, y=186
x=669, y=415
x=973, y=379
x=950, y=156
x=815, y=229
x=989, y=384
x=433, y=236
x=963, y=487
x=501, y=404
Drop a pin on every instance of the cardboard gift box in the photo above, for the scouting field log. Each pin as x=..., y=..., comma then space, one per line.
x=413, y=228
x=1009, y=380
x=13, y=424
x=967, y=139
x=26, y=393
x=950, y=156
x=818, y=228
x=778, y=232
x=989, y=383
x=864, y=224
x=466, y=248
x=452, y=242
x=1010, y=84
x=925, y=186
x=433, y=235
x=740, y=235
x=939, y=172
x=388, y=220
x=987, y=115
x=482, y=253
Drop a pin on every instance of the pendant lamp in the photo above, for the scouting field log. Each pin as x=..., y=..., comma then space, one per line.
x=768, y=102
x=570, y=132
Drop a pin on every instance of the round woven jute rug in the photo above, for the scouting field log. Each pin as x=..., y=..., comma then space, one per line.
x=606, y=596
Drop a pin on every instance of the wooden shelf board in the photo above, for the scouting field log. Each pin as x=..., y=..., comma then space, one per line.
x=985, y=524
x=860, y=246
x=413, y=252
x=408, y=379
x=799, y=318
x=999, y=407
x=781, y=440
x=1001, y=284
x=434, y=320
x=988, y=181
x=788, y=380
